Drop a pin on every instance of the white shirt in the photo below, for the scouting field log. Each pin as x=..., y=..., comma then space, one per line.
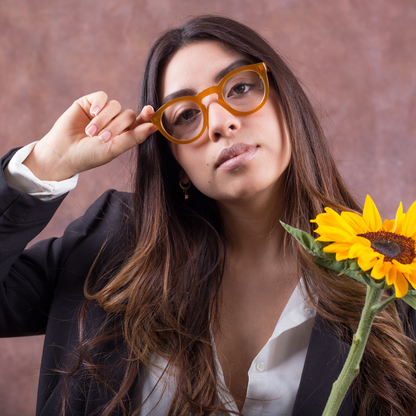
x=274, y=374
x=273, y=377
x=20, y=177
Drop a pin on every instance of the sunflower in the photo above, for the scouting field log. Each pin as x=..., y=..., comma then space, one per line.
x=384, y=249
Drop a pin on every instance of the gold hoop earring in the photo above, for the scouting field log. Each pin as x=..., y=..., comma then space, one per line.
x=185, y=188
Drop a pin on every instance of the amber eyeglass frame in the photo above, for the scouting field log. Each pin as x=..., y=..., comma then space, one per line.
x=260, y=68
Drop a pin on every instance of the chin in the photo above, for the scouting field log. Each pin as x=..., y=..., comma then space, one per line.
x=244, y=194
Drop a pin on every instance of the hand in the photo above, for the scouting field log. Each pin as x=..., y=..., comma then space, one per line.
x=92, y=132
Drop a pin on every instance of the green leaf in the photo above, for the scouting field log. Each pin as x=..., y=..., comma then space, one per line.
x=349, y=266
x=410, y=298
x=379, y=284
x=307, y=241
x=342, y=267
x=346, y=267
x=351, y=269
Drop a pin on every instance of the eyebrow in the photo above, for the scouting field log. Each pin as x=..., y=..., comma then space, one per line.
x=190, y=92
x=231, y=67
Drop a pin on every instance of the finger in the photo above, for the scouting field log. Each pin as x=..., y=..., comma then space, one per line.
x=98, y=123
x=98, y=101
x=144, y=116
x=93, y=103
x=117, y=125
x=130, y=139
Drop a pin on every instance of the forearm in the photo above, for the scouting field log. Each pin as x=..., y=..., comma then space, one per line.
x=22, y=217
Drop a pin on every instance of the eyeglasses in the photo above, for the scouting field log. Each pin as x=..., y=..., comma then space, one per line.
x=241, y=92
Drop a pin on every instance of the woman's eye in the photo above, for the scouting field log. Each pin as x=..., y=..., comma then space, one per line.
x=185, y=116
x=241, y=88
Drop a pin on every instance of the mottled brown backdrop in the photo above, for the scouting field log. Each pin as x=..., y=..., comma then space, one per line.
x=356, y=58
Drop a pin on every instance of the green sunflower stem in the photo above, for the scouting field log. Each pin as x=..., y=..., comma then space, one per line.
x=352, y=364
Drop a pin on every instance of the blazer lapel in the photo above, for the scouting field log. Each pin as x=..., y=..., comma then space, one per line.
x=324, y=360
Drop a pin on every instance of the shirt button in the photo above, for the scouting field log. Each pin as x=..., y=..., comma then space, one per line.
x=260, y=366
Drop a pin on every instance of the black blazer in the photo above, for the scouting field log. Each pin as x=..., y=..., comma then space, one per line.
x=41, y=292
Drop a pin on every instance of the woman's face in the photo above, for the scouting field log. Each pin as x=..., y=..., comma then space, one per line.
x=237, y=157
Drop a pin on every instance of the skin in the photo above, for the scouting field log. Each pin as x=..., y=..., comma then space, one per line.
x=68, y=149
x=191, y=68
x=258, y=279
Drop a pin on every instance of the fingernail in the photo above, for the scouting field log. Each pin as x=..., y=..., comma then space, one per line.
x=96, y=110
x=91, y=130
x=146, y=108
x=152, y=129
x=105, y=136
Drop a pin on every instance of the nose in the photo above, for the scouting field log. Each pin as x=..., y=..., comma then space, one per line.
x=221, y=123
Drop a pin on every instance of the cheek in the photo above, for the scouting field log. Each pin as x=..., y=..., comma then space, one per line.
x=193, y=160
x=181, y=154
x=286, y=149
x=282, y=146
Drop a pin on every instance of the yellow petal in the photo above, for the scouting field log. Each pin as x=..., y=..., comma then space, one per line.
x=380, y=269
x=355, y=221
x=365, y=242
x=389, y=225
x=342, y=255
x=409, y=224
x=404, y=268
x=329, y=217
x=398, y=222
x=337, y=247
x=358, y=250
x=412, y=278
x=367, y=262
x=371, y=215
x=391, y=275
x=400, y=285
x=370, y=254
x=341, y=250
x=333, y=219
x=332, y=234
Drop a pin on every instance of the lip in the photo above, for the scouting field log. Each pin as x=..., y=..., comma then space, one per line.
x=235, y=156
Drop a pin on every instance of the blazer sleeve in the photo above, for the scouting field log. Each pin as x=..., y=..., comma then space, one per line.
x=29, y=278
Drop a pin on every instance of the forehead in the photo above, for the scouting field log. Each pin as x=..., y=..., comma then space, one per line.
x=195, y=66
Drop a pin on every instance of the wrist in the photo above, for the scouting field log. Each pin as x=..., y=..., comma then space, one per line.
x=46, y=164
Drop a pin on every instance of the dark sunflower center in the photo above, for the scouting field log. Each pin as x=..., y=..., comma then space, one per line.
x=393, y=246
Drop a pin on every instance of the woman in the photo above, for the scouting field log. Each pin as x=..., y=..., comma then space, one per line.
x=196, y=301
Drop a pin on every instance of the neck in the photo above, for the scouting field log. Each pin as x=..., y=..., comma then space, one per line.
x=250, y=226
x=254, y=237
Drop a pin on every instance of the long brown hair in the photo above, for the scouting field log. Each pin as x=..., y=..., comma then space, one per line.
x=164, y=294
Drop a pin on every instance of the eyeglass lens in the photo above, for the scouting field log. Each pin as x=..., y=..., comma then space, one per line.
x=243, y=92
